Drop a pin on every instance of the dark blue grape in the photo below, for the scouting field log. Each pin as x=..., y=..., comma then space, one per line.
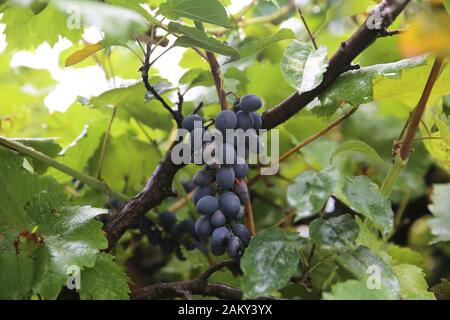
x=200, y=192
x=242, y=232
x=234, y=247
x=225, y=178
x=167, y=219
x=187, y=226
x=188, y=185
x=203, y=226
x=168, y=246
x=176, y=232
x=240, y=169
x=230, y=204
x=189, y=122
x=154, y=236
x=241, y=190
x=220, y=236
x=207, y=205
x=250, y=103
x=203, y=178
x=245, y=120
x=217, y=249
x=226, y=119
x=218, y=219
x=257, y=121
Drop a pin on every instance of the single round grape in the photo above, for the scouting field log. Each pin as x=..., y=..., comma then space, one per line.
x=241, y=231
x=189, y=122
x=250, y=103
x=241, y=190
x=167, y=219
x=240, y=170
x=154, y=236
x=203, y=227
x=203, y=178
x=225, y=178
x=207, y=205
x=217, y=249
x=229, y=204
x=226, y=119
x=176, y=232
x=234, y=247
x=220, y=236
x=257, y=121
x=245, y=120
x=218, y=219
x=187, y=226
x=188, y=185
x=200, y=192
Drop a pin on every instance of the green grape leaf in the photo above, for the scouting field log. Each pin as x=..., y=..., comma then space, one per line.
x=126, y=173
x=37, y=221
x=358, y=146
x=335, y=233
x=413, y=285
x=363, y=196
x=440, y=224
x=193, y=37
x=404, y=255
x=311, y=190
x=118, y=23
x=105, y=281
x=131, y=102
x=356, y=87
x=439, y=145
x=303, y=67
x=357, y=290
x=26, y=30
x=268, y=263
x=210, y=11
x=363, y=262
x=197, y=77
x=256, y=45
x=447, y=5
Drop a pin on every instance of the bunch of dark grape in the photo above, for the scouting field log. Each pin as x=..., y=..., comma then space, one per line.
x=171, y=235
x=221, y=191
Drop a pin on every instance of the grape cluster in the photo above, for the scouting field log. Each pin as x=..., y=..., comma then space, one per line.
x=171, y=235
x=221, y=190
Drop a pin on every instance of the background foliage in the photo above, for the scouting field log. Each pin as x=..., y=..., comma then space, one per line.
x=306, y=246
